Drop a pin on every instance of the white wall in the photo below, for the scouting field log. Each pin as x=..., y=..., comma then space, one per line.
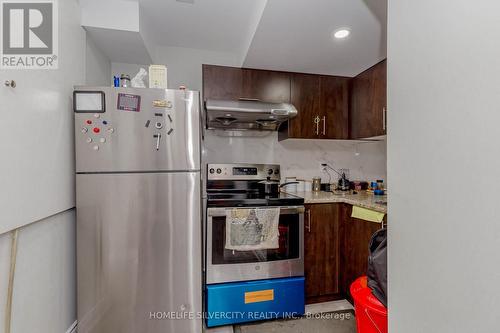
x=184, y=65
x=37, y=169
x=45, y=278
x=110, y=14
x=37, y=177
x=97, y=65
x=301, y=158
x=443, y=166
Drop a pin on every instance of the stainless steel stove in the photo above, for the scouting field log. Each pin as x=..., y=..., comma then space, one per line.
x=232, y=186
x=264, y=280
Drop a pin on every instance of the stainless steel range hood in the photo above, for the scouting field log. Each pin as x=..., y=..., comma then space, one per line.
x=247, y=115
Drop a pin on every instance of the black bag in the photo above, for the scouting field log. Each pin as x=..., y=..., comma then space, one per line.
x=377, y=265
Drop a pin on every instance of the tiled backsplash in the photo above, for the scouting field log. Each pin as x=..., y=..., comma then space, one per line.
x=300, y=158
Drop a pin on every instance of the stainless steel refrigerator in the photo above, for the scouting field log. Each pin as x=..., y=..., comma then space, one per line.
x=139, y=256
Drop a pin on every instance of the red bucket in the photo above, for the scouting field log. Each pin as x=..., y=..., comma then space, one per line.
x=371, y=315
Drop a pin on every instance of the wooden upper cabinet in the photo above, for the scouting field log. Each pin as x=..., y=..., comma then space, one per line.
x=368, y=103
x=266, y=86
x=231, y=83
x=322, y=101
x=334, y=107
x=323, y=105
x=220, y=82
x=305, y=97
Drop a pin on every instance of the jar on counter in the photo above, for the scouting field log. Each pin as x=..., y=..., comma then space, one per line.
x=316, y=184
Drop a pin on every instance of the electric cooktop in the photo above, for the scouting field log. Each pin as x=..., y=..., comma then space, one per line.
x=252, y=200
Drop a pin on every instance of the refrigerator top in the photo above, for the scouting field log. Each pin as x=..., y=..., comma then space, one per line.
x=136, y=130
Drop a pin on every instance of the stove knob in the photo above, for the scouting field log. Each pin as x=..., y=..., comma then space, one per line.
x=212, y=170
x=270, y=171
x=219, y=171
x=277, y=171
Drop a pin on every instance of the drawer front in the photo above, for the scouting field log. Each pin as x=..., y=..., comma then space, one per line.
x=231, y=303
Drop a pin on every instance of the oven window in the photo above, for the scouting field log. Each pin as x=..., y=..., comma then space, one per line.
x=289, y=243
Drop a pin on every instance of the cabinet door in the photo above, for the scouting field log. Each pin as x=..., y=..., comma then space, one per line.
x=334, y=105
x=369, y=102
x=266, y=86
x=356, y=235
x=321, y=252
x=304, y=96
x=220, y=82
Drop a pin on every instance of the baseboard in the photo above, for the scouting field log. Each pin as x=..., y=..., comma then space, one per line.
x=72, y=328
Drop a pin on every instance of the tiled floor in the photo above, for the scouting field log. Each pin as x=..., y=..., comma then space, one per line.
x=306, y=325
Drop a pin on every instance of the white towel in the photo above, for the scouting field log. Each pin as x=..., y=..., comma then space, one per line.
x=252, y=229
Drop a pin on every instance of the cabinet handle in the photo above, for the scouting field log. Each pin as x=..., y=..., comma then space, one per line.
x=324, y=125
x=384, y=118
x=317, y=119
x=308, y=226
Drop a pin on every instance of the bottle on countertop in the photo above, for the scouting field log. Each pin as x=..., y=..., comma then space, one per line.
x=379, y=190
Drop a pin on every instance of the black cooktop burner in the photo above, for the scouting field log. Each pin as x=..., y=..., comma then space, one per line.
x=252, y=200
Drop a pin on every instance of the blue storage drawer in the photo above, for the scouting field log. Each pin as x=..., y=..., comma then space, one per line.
x=237, y=302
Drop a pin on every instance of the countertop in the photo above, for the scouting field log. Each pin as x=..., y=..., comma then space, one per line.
x=362, y=199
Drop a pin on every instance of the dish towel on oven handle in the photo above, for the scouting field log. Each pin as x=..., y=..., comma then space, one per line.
x=250, y=229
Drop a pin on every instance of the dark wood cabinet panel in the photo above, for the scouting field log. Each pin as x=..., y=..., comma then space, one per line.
x=305, y=92
x=221, y=82
x=334, y=107
x=322, y=101
x=368, y=102
x=266, y=86
x=355, y=239
x=321, y=252
x=323, y=105
x=335, y=250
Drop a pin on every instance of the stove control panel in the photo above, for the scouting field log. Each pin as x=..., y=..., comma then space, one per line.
x=243, y=171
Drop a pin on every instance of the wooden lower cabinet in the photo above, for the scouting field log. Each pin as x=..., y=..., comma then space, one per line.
x=335, y=250
x=355, y=240
x=321, y=252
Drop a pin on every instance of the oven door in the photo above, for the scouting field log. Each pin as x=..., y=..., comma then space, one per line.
x=225, y=265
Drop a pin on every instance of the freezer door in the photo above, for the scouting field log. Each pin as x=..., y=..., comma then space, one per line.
x=136, y=130
x=139, y=253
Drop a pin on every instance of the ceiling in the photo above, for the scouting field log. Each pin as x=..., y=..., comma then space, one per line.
x=289, y=35
x=214, y=25
x=295, y=35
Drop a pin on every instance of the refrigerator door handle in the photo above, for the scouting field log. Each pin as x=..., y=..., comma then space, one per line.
x=158, y=137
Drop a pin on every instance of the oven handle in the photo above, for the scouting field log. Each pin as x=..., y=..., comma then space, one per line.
x=220, y=212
